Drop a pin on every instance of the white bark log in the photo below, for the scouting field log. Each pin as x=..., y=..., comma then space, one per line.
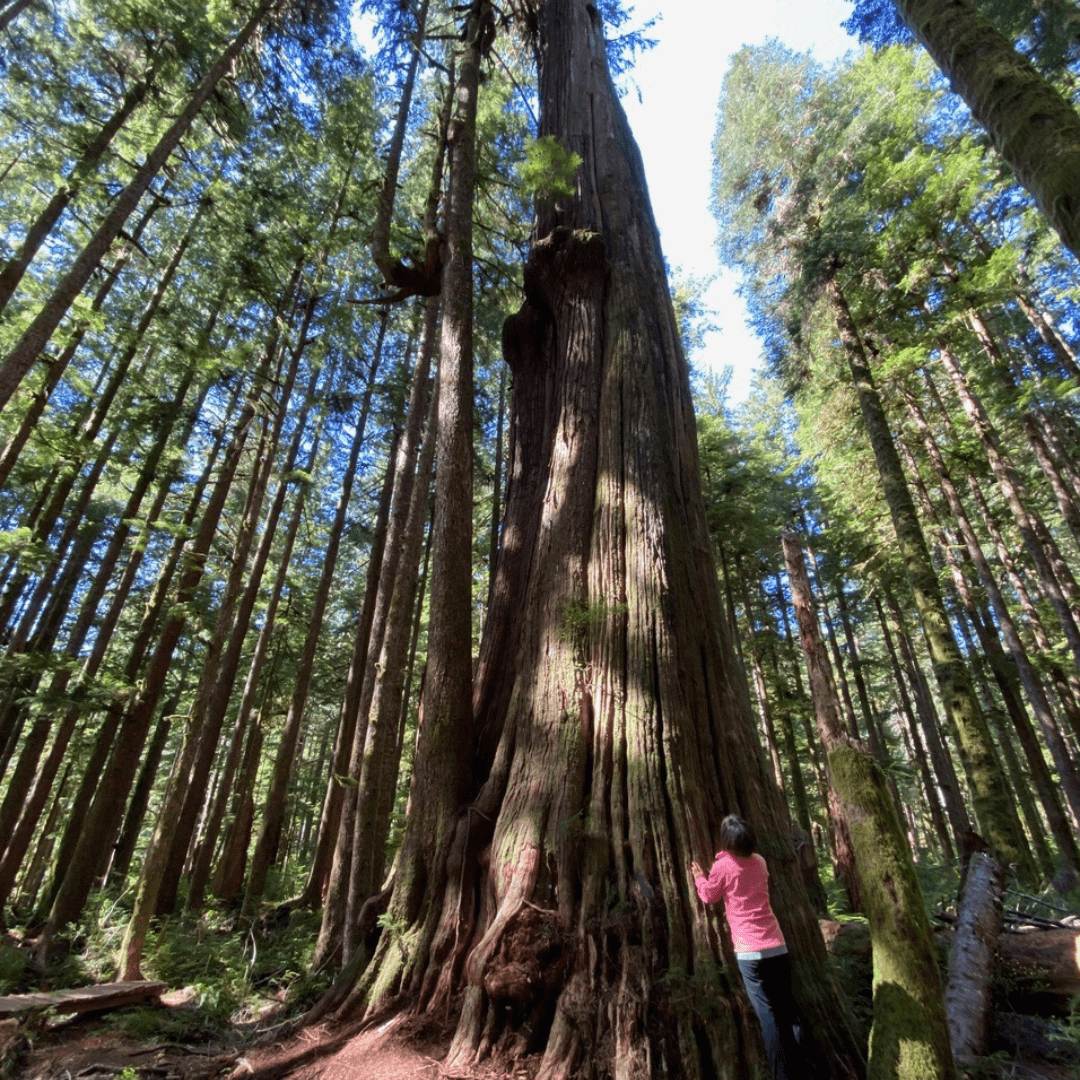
x=969, y=990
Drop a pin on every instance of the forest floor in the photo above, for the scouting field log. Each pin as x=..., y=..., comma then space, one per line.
x=402, y=1049
x=88, y=1048
x=1036, y=1031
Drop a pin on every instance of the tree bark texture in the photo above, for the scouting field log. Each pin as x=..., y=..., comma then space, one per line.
x=968, y=994
x=614, y=726
x=1033, y=126
x=909, y=1039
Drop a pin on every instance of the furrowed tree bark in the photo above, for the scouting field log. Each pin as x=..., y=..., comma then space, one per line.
x=613, y=720
x=1033, y=126
x=995, y=813
x=909, y=1039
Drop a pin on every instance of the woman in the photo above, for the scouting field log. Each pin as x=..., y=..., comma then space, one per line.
x=740, y=878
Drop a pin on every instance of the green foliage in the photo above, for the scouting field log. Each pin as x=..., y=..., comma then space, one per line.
x=13, y=969
x=578, y=618
x=548, y=169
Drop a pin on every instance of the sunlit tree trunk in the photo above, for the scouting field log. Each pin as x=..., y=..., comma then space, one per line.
x=1033, y=126
x=613, y=719
x=995, y=813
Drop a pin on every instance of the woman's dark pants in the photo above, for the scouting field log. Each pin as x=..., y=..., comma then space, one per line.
x=768, y=985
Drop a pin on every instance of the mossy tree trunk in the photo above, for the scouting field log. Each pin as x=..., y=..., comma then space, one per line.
x=995, y=813
x=612, y=721
x=1033, y=126
x=910, y=1036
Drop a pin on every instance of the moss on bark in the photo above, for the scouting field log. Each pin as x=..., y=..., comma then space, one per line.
x=910, y=1036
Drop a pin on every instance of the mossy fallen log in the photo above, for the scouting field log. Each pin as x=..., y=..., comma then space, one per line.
x=82, y=999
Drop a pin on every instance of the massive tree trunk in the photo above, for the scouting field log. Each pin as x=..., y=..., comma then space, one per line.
x=613, y=726
x=1033, y=126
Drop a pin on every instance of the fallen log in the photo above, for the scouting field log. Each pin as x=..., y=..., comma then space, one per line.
x=969, y=990
x=82, y=999
x=1035, y=967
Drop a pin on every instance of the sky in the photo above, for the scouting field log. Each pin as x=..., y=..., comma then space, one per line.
x=674, y=124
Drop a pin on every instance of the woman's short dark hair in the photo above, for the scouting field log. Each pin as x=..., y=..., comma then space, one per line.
x=737, y=836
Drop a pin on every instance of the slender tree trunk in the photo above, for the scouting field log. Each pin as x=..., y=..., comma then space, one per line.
x=1028, y=677
x=234, y=616
x=140, y=796
x=228, y=880
x=830, y=635
x=284, y=761
x=919, y=754
x=35, y=408
x=11, y=10
x=995, y=813
x=1010, y=487
x=948, y=781
x=68, y=189
x=381, y=758
x=103, y=744
x=909, y=1037
x=335, y=836
x=103, y=816
x=757, y=672
x=497, y=482
x=330, y=817
x=30, y=346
